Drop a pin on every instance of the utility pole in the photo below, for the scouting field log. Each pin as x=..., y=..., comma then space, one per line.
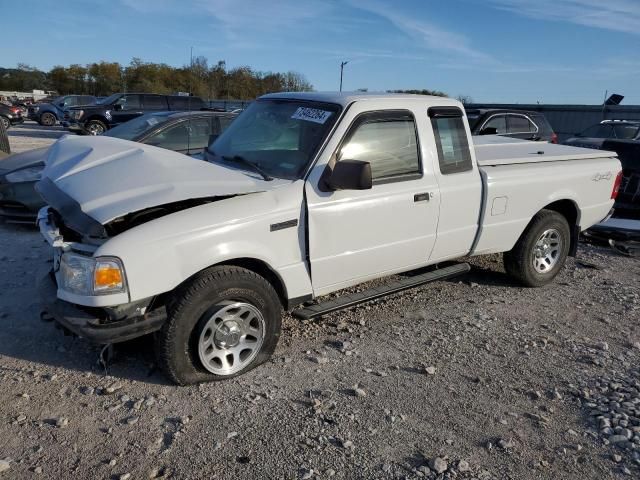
x=342, y=64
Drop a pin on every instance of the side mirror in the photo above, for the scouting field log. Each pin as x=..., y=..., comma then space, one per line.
x=117, y=107
x=489, y=131
x=350, y=175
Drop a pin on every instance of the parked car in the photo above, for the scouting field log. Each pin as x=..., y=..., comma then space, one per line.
x=303, y=195
x=10, y=115
x=511, y=123
x=595, y=135
x=122, y=107
x=183, y=132
x=48, y=114
x=628, y=202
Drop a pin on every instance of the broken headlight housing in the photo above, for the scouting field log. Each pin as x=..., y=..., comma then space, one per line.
x=84, y=275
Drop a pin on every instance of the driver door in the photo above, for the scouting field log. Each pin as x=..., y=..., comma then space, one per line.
x=357, y=235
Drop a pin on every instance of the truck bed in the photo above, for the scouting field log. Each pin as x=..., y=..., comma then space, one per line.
x=492, y=150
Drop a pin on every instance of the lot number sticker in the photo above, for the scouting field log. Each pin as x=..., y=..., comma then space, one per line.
x=311, y=115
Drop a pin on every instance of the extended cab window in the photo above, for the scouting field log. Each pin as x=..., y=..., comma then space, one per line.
x=387, y=140
x=451, y=140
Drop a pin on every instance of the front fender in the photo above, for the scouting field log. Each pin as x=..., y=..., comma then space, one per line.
x=163, y=253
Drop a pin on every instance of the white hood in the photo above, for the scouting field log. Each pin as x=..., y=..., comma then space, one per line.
x=109, y=177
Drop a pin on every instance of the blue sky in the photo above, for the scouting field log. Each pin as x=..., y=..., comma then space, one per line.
x=552, y=51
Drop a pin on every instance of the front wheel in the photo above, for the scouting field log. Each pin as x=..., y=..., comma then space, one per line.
x=5, y=122
x=541, y=251
x=222, y=323
x=47, y=119
x=95, y=127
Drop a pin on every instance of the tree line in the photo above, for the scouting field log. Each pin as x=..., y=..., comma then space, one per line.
x=200, y=78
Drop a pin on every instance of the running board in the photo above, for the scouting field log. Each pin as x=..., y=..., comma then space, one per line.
x=347, y=301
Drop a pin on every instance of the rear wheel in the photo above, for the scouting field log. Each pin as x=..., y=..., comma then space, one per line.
x=224, y=322
x=95, y=127
x=541, y=251
x=47, y=119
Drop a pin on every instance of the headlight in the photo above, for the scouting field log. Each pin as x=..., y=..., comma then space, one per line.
x=91, y=276
x=29, y=174
x=77, y=114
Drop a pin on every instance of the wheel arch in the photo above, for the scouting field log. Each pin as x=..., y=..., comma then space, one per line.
x=571, y=212
x=259, y=267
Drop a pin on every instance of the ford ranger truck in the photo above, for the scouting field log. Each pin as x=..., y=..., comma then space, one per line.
x=303, y=195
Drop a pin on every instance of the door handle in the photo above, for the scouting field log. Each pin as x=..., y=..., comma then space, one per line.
x=422, y=197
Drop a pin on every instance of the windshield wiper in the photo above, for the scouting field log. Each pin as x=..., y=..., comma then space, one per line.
x=251, y=165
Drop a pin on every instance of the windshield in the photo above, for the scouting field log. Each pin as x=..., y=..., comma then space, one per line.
x=280, y=137
x=137, y=127
x=109, y=100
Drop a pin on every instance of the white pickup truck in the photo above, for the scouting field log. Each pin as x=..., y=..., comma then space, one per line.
x=303, y=195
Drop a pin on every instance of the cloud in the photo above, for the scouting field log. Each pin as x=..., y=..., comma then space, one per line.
x=616, y=15
x=426, y=34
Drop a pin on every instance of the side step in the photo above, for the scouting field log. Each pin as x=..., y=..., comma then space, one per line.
x=347, y=301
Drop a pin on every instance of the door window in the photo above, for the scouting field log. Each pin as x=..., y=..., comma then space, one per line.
x=499, y=122
x=199, y=131
x=451, y=141
x=520, y=124
x=155, y=102
x=172, y=138
x=388, y=141
x=129, y=102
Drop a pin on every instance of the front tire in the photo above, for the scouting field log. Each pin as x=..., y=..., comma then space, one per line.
x=541, y=251
x=95, y=127
x=221, y=324
x=5, y=121
x=47, y=119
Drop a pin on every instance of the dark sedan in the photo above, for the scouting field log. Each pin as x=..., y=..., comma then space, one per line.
x=10, y=115
x=183, y=132
x=596, y=135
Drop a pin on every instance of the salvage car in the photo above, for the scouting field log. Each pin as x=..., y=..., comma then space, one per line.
x=48, y=114
x=122, y=107
x=302, y=196
x=511, y=123
x=10, y=115
x=184, y=132
x=594, y=136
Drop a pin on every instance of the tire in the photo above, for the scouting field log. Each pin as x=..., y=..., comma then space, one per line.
x=47, y=119
x=5, y=122
x=95, y=127
x=4, y=139
x=535, y=261
x=194, y=327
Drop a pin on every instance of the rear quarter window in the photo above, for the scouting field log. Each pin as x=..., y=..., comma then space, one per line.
x=452, y=144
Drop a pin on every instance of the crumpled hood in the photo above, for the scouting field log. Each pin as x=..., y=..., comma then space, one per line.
x=109, y=177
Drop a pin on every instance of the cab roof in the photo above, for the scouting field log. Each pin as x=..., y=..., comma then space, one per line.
x=346, y=98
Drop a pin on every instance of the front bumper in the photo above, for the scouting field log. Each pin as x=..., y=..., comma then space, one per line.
x=96, y=324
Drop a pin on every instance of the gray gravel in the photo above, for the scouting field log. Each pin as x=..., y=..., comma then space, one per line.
x=472, y=378
x=30, y=135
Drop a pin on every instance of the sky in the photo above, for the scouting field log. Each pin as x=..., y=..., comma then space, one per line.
x=504, y=51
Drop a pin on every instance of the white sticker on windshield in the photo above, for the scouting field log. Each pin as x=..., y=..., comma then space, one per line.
x=311, y=115
x=152, y=121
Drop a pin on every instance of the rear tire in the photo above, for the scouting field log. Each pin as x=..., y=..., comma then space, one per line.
x=4, y=140
x=541, y=251
x=48, y=119
x=204, y=316
x=95, y=127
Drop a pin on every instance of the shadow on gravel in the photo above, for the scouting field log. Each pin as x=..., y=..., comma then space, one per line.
x=133, y=360
x=34, y=130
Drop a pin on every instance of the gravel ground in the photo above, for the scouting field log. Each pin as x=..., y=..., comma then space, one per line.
x=471, y=378
x=30, y=135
